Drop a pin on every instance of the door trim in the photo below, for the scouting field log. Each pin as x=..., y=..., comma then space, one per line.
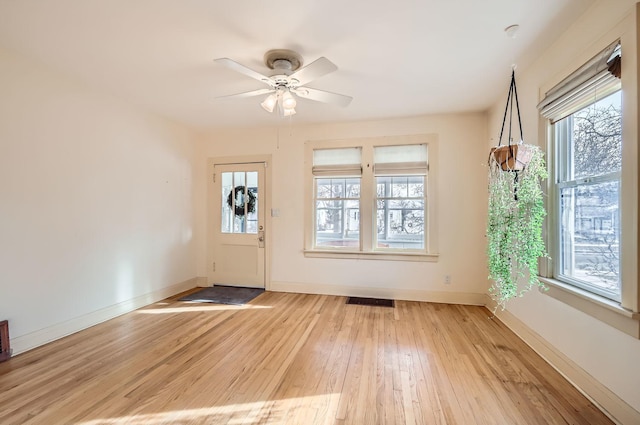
x=231, y=160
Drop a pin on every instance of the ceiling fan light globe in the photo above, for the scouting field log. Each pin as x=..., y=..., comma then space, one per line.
x=269, y=103
x=288, y=112
x=288, y=101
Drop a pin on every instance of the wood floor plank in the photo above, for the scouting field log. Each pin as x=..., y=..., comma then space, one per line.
x=291, y=359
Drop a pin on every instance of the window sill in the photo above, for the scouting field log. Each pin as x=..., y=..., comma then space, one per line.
x=603, y=309
x=377, y=255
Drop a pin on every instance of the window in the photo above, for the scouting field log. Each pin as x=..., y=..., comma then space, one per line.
x=589, y=152
x=369, y=198
x=400, y=174
x=585, y=117
x=337, y=197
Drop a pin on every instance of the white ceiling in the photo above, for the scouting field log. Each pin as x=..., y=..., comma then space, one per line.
x=403, y=58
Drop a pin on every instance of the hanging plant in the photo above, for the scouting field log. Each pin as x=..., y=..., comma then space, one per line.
x=516, y=213
x=514, y=232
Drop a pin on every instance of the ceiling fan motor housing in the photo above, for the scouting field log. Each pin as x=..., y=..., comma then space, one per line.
x=283, y=60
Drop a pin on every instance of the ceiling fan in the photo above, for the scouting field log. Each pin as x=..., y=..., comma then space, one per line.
x=288, y=79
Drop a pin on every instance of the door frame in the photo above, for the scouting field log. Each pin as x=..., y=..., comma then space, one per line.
x=266, y=198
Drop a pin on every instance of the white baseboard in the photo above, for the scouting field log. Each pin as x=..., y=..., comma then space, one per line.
x=466, y=298
x=610, y=404
x=43, y=336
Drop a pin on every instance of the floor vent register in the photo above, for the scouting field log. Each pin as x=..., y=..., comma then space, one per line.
x=376, y=302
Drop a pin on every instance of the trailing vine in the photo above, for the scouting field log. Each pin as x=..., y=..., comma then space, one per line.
x=514, y=229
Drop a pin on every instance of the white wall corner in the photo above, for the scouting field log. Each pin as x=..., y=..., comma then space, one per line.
x=51, y=333
x=607, y=401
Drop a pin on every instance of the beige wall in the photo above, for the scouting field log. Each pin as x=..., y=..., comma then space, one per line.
x=461, y=209
x=608, y=355
x=96, y=204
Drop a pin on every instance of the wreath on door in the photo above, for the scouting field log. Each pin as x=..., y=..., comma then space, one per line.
x=241, y=200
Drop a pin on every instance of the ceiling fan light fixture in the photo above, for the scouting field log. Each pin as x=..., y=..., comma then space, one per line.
x=269, y=103
x=288, y=101
x=288, y=80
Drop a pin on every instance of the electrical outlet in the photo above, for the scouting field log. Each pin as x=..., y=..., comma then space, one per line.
x=447, y=280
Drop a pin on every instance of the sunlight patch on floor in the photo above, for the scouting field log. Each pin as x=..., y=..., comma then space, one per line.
x=271, y=411
x=199, y=307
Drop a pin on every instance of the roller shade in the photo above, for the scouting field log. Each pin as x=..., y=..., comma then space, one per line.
x=337, y=162
x=596, y=79
x=400, y=160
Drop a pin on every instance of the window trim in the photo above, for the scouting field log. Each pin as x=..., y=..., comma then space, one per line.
x=623, y=315
x=597, y=306
x=430, y=252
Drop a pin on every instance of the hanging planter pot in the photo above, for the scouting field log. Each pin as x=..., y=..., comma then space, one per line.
x=511, y=157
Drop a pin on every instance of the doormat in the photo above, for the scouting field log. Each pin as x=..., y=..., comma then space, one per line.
x=221, y=294
x=376, y=302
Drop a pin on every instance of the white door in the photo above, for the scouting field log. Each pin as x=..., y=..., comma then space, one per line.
x=238, y=225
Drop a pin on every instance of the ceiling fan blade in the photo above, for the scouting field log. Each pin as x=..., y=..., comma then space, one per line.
x=316, y=69
x=323, y=96
x=231, y=64
x=247, y=94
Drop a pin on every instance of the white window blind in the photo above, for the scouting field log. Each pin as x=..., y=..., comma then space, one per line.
x=400, y=160
x=337, y=162
x=588, y=84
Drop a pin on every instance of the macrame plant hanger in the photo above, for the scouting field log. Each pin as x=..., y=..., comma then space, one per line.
x=513, y=157
x=513, y=94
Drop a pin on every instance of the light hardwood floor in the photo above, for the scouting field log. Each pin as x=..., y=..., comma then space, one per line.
x=294, y=359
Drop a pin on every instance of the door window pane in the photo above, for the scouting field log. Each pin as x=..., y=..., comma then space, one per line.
x=239, y=202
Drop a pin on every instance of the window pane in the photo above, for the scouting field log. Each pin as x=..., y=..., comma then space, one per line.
x=399, y=187
x=227, y=212
x=400, y=228
x=323, y=188
x=338, y=223
x=595, y=147
x=337, y=212
x=589, y=235
x=416, y=187
x=338, y=188
x=400, y=212
x=252, y=193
